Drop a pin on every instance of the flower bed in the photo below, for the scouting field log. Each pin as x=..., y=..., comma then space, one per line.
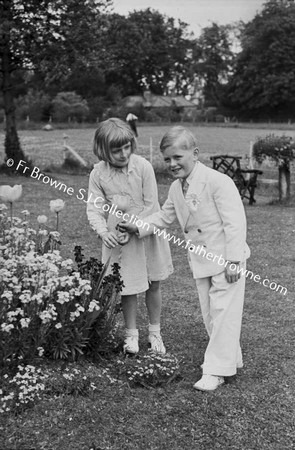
x=50, y=306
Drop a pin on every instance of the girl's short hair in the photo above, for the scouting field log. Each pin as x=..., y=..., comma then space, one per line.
x=112, y=133
x=178, y=136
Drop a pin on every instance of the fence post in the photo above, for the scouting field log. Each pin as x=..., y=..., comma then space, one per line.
x=251, y=165
x=151, y=150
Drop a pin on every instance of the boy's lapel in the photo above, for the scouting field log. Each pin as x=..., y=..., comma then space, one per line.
x=194, y=193
x=196, y=187
x=182, y=206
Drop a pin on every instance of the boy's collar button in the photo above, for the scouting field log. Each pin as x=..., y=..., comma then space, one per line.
x=199, y=230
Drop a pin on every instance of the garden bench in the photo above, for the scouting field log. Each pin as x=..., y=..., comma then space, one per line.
x=245, y=179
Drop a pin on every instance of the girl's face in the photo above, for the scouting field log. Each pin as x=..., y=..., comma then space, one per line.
x=120, y=155
x=180, y=162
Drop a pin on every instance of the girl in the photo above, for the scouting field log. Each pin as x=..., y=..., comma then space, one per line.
x=127, y=181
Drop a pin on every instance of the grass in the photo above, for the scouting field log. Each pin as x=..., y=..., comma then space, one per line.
x=45, y=148
x=254, y=410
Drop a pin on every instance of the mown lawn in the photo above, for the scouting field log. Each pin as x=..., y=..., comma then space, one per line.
x=45, y=148
x=254, y=410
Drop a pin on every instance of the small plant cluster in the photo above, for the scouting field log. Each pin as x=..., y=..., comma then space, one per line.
x=75, y=379
x=30, y=383
x=150, y=370
x=105, y=288
x=48, y=307
x=280, y=149
x=22, y=390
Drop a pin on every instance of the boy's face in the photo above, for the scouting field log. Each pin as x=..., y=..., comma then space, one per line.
x=180, y=162
x=120, y=155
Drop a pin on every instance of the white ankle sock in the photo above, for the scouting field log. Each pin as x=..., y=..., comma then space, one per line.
x=131, y=332
x=155, y=329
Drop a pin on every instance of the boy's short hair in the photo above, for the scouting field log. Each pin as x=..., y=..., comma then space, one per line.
x=112, y=133
x=178, y=136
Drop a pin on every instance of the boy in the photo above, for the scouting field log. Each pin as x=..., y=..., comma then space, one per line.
x=209, y=209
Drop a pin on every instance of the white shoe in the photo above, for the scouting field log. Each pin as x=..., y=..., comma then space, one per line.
x=131, y=345
x=156, y=344
x=209, y=383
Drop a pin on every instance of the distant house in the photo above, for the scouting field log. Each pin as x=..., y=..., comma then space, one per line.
x=150, y=101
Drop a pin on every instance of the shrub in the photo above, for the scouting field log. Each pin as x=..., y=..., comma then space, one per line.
x=151, y=370
x=210, y=114
x=69, y=106
x=21, y=390
x=35, y=105
x=278, y=148
x=281, y=150
x=220, y=118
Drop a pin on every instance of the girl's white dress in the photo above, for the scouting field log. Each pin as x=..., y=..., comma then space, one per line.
x=133, y=189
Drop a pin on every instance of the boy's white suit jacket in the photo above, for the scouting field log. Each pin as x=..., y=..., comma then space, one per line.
x=211, y=216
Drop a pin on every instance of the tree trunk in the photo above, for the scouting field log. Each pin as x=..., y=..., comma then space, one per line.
x=284, y=182
x=12, y=145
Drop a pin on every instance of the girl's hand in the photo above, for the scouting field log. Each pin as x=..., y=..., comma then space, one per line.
x=127, y=226
x=109, y=238
x=232, y=275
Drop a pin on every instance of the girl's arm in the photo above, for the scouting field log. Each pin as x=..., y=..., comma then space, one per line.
x=96, y=215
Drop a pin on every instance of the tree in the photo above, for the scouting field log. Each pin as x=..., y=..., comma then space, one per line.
x=42, y=35
x=69, y=106
x=212, y=61
x=263, y=83
x=35, y=105
x=146, y=50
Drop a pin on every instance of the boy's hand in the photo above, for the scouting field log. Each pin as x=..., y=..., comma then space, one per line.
x=123, y=238
x=127, y=226
x=109, y=238
x=231, y=274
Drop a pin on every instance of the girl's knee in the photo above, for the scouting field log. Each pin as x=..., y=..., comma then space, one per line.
x=154, y=286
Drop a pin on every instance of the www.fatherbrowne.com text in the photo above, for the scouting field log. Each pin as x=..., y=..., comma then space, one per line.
x=100, y=203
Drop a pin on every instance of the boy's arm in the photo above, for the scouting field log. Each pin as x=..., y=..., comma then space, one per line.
x=160, y=219
x=149, y=190
x=232, y=213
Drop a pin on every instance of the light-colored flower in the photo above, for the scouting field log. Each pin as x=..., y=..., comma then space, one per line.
x=42, y=219
x=25, y=322
x=56, y=205
x=55, y=235
x=40, y=351
x=43, y=232
x=10, y=194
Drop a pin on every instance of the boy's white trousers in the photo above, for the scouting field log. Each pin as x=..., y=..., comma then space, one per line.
x=222, y=308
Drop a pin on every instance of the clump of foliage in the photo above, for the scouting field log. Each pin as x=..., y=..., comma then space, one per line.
x=280, y=149
x=74, y=379
x=150, y=370
x=22, y=389
x=104, y=288
x=29, y=384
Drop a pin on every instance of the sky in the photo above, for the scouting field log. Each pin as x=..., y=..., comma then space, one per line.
x=196, y=13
